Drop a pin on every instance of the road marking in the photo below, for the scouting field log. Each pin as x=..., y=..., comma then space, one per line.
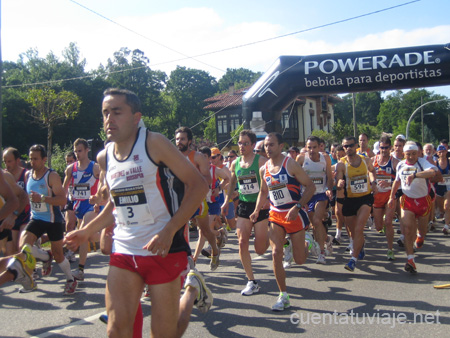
x=63, y=328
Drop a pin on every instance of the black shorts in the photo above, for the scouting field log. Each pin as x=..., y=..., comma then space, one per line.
x=6, y=233
x=245, y=209
x=23, y=218
x=55, y=231
x=352, y=204
x=333, y=199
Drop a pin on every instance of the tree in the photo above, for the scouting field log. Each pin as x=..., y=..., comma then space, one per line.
x=50, y=109
x=187, y=89
x=239, y=77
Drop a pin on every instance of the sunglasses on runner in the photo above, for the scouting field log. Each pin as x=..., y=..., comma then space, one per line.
x=348, y=145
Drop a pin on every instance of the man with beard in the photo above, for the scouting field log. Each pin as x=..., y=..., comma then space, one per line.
x=183, y=140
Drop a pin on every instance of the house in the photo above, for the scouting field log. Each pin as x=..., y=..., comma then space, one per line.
x=296, y=123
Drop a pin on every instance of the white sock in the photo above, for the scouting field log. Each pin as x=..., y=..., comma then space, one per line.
x=402, y=237
x=65, y=267
x=410, y=257
x=338, y=233
x=39, y=254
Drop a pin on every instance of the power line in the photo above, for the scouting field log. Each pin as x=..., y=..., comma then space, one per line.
x=143, y=36
x=207, y=53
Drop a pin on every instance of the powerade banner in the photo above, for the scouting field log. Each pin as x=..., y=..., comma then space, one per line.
x=375, y=70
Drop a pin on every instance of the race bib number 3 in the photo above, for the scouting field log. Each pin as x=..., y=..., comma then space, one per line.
x=131, y=206
x=359, y=184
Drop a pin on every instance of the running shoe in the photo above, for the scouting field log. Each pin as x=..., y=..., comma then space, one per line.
x=419, y=242
x=288, y=256
x=221, y=240
x=250, y=288
x=432, y=227
x=321, y=259
x=313, y=246
x=400, y=243
x=78, y=274
x=214, y=264
x=390, y=255
x=103, y=318
x=47, y=266
x=446, y=230
x=336, y=241
x=22, y=269
x=70, y=256
x=362, y=253
x=204, y=298
x=70, y=287
x=329, y=245
x=146, y=292
x=282, y=303
x=382, y=231
x=207, y=252
x=410, y=266
x=350, y=266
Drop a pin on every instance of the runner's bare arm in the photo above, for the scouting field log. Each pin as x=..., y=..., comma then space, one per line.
x=302, y=177
x=262, y=196
x=162, y=151
x=11, y=201
x=232, y=184
x=203, y=166
x=67, y=178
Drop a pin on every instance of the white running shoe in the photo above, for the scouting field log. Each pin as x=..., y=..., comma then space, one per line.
x=250, y=289
x=288, y=255
x=282, y=303
x=321, y=259
x=313, y=247
x=204, y=298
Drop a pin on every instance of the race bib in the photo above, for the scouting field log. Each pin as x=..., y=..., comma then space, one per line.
x=248, y=185
x=317, y=180
x=38, y=207
x=446, y=180
x=81, y=191
x=279, y=195
x=131, y=206
x=359, y=184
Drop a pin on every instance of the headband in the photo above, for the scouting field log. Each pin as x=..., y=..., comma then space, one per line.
x=409, y=147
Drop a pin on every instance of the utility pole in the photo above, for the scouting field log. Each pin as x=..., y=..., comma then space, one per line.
x=354, y=115
x=1, y=81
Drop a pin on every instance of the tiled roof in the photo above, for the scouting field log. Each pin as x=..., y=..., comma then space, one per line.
x=226, y=100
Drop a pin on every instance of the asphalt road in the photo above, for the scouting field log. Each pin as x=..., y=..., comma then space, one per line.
x=379, y=299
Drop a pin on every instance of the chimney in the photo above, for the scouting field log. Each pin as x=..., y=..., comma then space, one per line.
x=231, y=89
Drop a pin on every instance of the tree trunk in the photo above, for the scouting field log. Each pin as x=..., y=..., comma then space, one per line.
x=49, y=145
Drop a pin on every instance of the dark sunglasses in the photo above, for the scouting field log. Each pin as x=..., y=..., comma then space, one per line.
x=348, y=145
x=214, y=157
x=256, y=151
x=384, y=147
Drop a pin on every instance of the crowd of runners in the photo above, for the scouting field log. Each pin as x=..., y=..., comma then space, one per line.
x=142, y=195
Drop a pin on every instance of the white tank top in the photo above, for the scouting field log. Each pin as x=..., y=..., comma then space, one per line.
x=143, y=194
x=317, y=172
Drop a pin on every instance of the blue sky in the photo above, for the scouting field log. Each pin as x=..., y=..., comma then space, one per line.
x=172, y=28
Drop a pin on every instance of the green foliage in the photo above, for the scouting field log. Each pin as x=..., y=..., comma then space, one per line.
x=327, y=137
x=367, y=107
x=239, y=77
x=49, y=109
x=209, y=132
x=341, y=130
x=59, y=158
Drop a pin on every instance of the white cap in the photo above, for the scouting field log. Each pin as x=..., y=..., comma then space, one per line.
x=376, y=147
x=401, y=136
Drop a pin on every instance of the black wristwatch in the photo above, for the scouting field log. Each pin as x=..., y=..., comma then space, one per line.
x=298, y=205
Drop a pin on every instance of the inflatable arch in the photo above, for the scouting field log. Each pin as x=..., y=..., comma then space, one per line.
x=387, y=69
